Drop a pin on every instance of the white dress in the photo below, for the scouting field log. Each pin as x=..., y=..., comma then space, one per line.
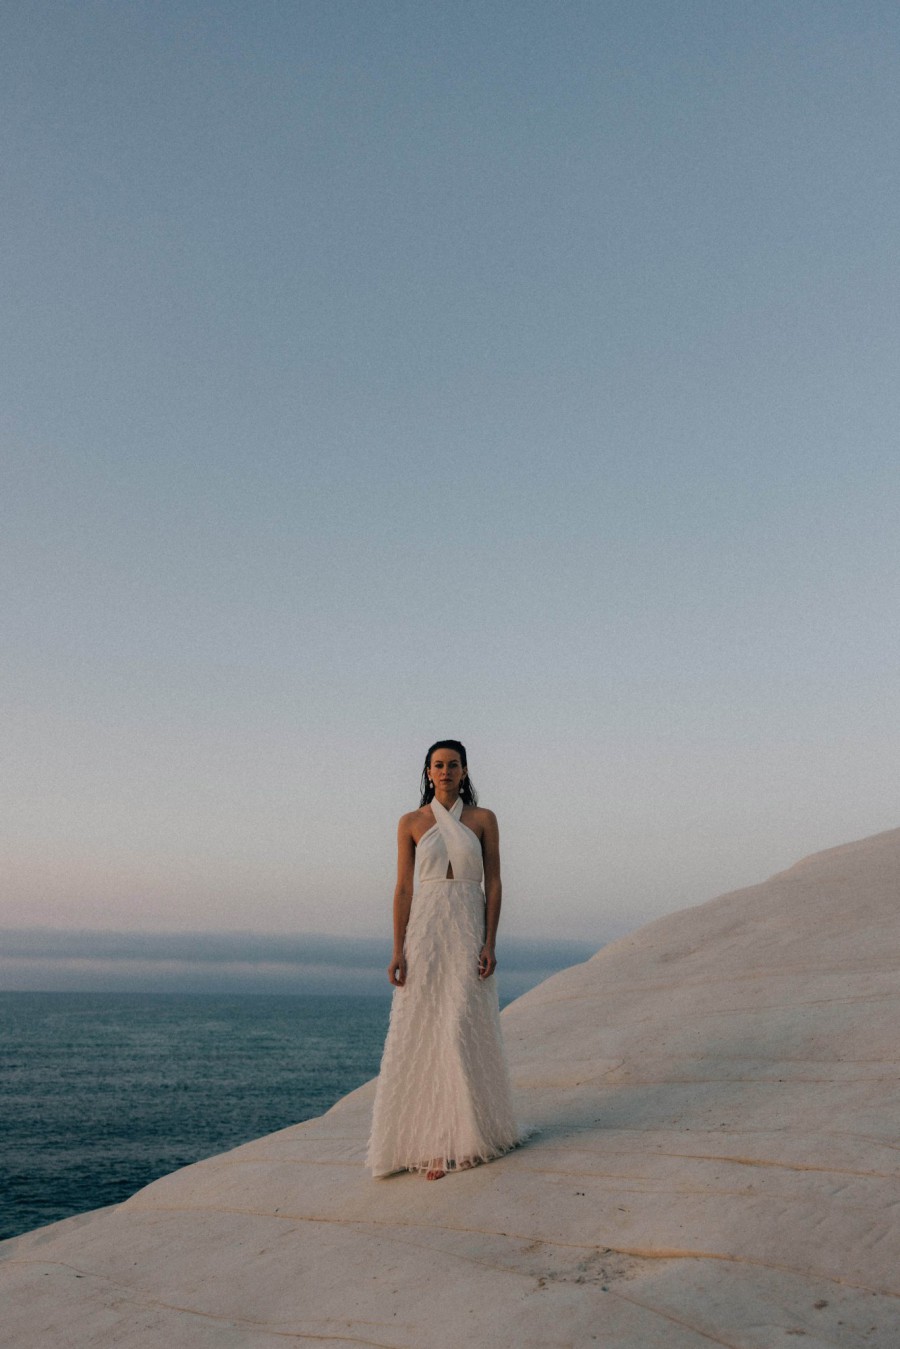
x=443, y=1095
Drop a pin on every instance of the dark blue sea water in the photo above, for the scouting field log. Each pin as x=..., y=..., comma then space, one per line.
x=100, y=1093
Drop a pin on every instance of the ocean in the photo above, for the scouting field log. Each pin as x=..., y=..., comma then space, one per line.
x=101, y=1093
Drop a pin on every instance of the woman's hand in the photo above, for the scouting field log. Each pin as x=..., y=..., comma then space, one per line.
x=487, y=962
x=397, y=969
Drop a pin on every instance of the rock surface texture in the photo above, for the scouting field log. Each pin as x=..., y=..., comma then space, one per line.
x=716, y=1163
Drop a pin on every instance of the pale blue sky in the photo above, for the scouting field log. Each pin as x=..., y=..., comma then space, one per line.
x=373, y=372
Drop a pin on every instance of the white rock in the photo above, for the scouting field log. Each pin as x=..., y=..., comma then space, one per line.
x=717, y=1163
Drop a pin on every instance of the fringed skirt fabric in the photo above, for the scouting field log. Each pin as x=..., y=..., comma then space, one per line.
x=443, y=1098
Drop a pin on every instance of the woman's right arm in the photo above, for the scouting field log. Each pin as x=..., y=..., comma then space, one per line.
x=406, y=865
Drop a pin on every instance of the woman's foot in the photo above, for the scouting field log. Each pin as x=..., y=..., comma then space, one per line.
x=438, y=1171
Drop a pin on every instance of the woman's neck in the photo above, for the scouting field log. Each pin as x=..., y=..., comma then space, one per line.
x=447, y=800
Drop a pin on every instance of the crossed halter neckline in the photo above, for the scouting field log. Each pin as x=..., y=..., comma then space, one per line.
x=455, y=810
x=454, y=813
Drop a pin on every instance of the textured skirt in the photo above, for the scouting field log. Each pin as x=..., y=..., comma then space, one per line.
x=443, y=1096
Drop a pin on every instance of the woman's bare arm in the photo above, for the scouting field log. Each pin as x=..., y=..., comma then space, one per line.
x=493, y=892
x=403, y=892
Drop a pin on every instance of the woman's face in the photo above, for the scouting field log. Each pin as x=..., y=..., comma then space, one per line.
x=446, y=771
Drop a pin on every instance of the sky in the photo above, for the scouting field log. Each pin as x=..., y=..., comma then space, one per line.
x=525, y=373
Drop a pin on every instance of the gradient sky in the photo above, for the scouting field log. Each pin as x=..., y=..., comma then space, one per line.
x=522, y=372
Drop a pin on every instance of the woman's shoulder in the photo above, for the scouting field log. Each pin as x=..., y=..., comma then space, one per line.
x=412, y=818
x=481, y=815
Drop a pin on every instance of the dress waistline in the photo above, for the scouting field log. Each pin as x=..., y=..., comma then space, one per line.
x=447, y=880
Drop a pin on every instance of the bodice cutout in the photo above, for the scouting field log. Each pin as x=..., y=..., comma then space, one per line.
x=449, y=843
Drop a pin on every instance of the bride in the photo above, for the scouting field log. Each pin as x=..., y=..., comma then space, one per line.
x=443, y=1099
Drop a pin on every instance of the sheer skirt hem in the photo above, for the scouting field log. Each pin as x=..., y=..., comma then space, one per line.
x=447, y=1164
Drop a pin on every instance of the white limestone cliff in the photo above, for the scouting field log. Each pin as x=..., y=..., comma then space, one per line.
x=716, y=1162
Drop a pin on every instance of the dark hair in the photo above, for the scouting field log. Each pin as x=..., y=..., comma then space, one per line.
x=467, y=791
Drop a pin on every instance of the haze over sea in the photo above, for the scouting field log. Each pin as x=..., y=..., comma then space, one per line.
x=48, y=959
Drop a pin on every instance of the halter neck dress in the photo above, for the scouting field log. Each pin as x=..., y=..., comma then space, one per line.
x=443, y=1095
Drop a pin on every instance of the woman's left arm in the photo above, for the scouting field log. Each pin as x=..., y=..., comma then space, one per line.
x=493, y=892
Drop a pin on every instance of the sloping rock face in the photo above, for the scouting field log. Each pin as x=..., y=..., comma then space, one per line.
x=716, y=1162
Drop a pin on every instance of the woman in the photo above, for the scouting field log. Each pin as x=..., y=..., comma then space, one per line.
x=443, y=1098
